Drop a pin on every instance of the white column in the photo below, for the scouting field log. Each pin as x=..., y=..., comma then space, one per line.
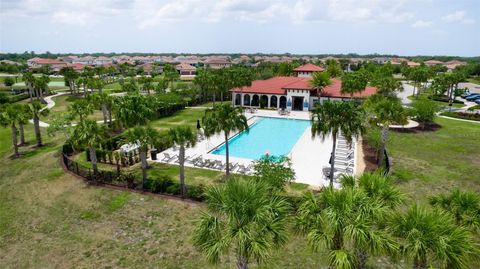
x=278, y=101
x=241, y=99
x=268, y=101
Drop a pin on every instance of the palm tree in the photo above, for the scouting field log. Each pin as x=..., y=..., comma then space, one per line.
x=385, y=111
x=354, y=82
x=89, y=134
x=184, y=137
x=377, y=186
x=346, y=221
x=319, y=81
x=70, y=76
x=133, y=110
x=433, y=234
x=224, y=118
x=463, y=205
x=29, y=79
x=23, y=117
x=104, y=101
x=81, y=109
x=143, y=137
x=36, y=111
x=9, y=116
x=243, y=218
x=331, y=118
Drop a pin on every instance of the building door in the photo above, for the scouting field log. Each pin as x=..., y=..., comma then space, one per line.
x=297, y=103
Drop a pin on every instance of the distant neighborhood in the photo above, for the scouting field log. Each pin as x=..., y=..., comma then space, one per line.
x=186, y=65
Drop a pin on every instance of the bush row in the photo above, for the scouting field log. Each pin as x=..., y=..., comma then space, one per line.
x=462, y=115
x=165, y=184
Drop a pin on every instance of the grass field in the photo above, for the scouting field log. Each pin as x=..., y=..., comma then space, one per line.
x=61, y=107
x=50, y=219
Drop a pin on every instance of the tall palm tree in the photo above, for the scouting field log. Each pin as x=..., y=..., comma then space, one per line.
x=23, y=117
x=184, y=137
x=103, y=100
x=354, y=82
x=244, y=218
x=36, y=111
x=133, y=110
x=433, y=234
x=81, y=109
x=227, y=119
x=9, y=116
x=331, y=118
x=346, y=221
x=89, y=134
x=385, y=111
x=319, y=81
x=29, y=79
x=143, y=136
x=463, y=205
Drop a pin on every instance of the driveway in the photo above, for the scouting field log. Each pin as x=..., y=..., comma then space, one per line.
x=407, y=91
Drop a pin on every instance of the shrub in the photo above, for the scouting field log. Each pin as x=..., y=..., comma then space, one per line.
x=462, y=115
x=196, y=192
x=173, y=189
x=424, y=111
x=443, y=98
x=159, y=184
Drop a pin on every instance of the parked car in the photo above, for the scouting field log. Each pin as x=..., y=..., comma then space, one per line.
x=473, y=97
x=477, y=101
x=465, y=94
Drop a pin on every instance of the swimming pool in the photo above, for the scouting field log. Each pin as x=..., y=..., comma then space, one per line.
x=272, y=135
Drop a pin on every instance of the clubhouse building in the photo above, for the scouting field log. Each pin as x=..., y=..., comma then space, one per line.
x=292, y=93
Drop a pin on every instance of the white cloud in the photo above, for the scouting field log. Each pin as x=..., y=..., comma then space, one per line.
x=458, y=16
x=422, y=24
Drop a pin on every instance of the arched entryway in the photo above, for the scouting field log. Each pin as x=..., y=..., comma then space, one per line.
x=283, y=102
x=246, y=100
x=238, y=99
x=273, y=101
x=263, y=101
x=255, y=100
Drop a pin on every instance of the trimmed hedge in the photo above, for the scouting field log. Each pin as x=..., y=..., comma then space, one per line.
x=462, y=115
x=443, y=98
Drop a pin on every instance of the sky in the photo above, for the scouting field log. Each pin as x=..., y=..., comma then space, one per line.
x=401, y=27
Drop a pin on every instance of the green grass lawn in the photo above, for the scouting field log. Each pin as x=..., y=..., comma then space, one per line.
x=50, y=219
x=474, y=80
x=187, y=117
x=439, y=103
x=61, y=107
x=432, y=162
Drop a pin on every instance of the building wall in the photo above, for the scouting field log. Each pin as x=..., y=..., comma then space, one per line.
x=298, y=93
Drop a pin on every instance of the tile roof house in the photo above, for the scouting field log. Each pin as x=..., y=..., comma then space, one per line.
x=40, y=62
x=217, y=63
x=307, y=70
x=291, y=93
x=186, y=71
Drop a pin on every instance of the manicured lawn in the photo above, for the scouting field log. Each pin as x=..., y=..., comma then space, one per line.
x=185, y=117
x=474, y=80
x=432, y=162
x=61, y=107
x=439, y=103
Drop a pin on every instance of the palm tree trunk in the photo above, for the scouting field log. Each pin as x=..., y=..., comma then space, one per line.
x=242, y=263
x=361, y=258
x=414, y=88
x=22, y=134
x=332, y=165
x=40, y=91
x=384, y=142
x=14, y=140
x=143, y=158
x=181, y=159
x=227, y=170
x=104, y=111
x=93, y=160
x=38, y=135
x=110, y=117
x=30, y=92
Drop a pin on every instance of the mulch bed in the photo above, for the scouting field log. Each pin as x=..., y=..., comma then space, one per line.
x=428, y=127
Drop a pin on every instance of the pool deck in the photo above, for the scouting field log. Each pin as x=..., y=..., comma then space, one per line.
x=309, y=155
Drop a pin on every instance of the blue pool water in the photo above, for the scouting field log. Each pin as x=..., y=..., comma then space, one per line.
x=277, y=136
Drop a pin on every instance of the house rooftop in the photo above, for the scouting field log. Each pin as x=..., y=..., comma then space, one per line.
x=308, y=68
x=280, y=85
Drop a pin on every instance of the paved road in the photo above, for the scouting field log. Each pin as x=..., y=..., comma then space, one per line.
x=407, y=91
x=471, y=86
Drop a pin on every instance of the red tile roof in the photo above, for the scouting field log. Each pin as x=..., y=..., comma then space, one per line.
x=76, y=66
x=46, y=61
x=279, y=85
x=184, y=66
x=308, y=68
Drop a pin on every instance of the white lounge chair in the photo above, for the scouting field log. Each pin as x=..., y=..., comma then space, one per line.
x=168, y=158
